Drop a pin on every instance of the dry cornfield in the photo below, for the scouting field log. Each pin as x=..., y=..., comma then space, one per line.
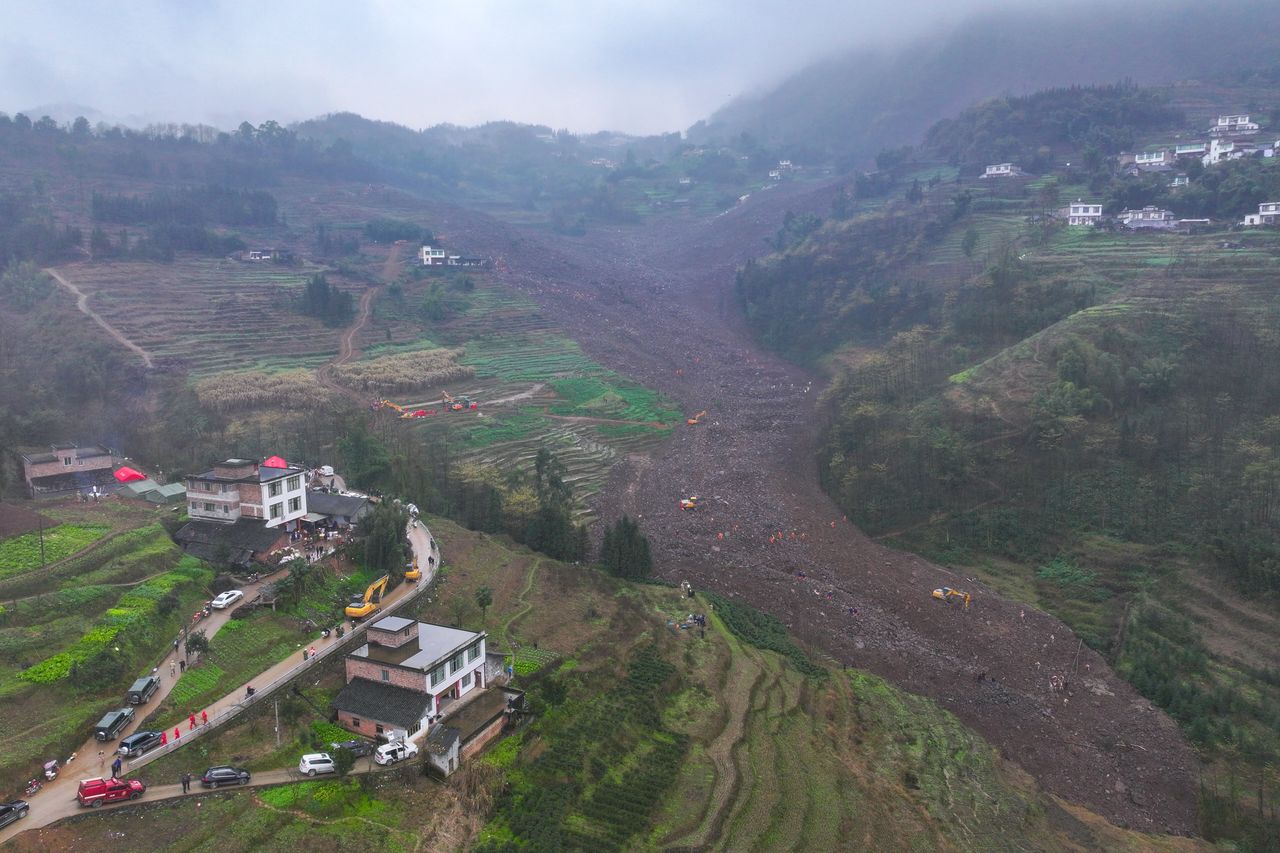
x=404, y=371
x=237, y=391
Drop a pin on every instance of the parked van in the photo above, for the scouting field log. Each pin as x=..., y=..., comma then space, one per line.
x=390, y=753
x=142, y=690
x=112, y=724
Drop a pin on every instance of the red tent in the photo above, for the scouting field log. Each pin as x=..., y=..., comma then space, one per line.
x=128, y=475
x=275, y=462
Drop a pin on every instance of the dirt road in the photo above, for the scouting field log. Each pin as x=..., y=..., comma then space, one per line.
x=82, y=303
x=768, y=534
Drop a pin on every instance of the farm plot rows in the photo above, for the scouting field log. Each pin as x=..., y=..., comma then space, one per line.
x=209, y=314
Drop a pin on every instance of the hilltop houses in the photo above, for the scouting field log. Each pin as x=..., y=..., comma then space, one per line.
x=272, y=492
x=1148, y=217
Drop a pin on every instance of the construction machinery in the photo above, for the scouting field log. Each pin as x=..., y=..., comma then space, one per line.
x=458, y=404
x=690, y=502
x=951, y=596
x=696, y=419
x=412, y=573
x=367, y=604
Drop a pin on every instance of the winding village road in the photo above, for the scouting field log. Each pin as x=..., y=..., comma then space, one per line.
x=57, y=799
x=82, y=303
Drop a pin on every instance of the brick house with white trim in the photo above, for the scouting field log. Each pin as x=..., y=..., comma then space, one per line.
x=241, y=488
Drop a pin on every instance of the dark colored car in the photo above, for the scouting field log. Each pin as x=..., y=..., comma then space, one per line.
x=112, y=723
x=9, y=812
x=142, y=690
x=224, y=774
x=361, y=748
x=139, y=742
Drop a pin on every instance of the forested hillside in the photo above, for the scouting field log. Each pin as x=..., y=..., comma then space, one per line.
x=849, y=107
x=1086, y=419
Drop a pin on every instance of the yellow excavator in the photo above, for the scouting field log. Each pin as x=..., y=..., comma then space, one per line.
x=951, y=596
x=413, y=574
x=696, y=419
x=690, y=502
x=364, y=605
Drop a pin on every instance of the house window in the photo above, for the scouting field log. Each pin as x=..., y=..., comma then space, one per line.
x=66, y=460
x=455, y=663
x=277, y=510
x=378, y=728
x=466, y=680
x=386, y=676
x=294, y=484
x=208, y=507
x=437, y=675
x=473, y=653
x=79, y=461
x=273, y=489
x=192, y=506
x=295, y=504
x=225, y=509
x=355, y=722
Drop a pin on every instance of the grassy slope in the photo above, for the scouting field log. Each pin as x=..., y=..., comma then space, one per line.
x=773, y=760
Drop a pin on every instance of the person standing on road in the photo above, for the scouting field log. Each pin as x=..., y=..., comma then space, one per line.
x=172, y=669
x=193, y=720
x=102, y=759
x=177, y=733
x=115, y=768
x=186, y=783
x=204, y=718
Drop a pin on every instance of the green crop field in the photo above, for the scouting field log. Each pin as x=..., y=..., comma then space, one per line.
x=32, y=550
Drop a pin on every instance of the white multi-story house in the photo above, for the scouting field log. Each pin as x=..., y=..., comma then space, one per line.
x=1163, y=157
x=1236, y=125
x=1268, y=214
x=430, y=257
x=1002, y=170
x=1190, y=149
x=785, y=165
x=1084, y=213
x=1148, y=217
x=1179, y=181
x=1221, y=151
x=407, y=674
x=272, y=492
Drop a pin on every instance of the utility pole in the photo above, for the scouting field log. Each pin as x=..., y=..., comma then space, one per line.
x=42, y=542
x=277, y=704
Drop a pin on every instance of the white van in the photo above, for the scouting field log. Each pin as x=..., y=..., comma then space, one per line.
x=390, y=753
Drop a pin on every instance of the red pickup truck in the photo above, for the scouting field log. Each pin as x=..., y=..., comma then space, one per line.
x=95, y=792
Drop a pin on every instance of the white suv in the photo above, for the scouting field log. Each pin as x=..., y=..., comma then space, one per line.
x=316, y=762
x=390, y=753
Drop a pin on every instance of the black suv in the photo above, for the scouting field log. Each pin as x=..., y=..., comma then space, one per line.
x=138, y=743
x=361, y=748
x=224, y=774
x=9, y=812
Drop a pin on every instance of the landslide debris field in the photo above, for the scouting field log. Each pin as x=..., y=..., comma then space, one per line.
x=656, y=304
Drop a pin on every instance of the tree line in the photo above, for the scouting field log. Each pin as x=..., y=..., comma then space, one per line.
x=188, y=206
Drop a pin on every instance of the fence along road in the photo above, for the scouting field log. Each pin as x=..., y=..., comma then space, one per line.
x=57, y=799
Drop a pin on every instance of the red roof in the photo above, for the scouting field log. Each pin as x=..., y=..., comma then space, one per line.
x=128, y=475
x=275, y=462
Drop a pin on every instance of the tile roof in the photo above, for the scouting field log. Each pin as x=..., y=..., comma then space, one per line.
x=385, y=703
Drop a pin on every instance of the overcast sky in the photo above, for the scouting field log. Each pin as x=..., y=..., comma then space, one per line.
x=643, y=66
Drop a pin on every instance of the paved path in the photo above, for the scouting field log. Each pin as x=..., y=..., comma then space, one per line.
x=82, y=303
x=57, y=799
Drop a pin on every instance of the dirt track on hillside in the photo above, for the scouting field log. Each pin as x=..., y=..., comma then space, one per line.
x=656, y=303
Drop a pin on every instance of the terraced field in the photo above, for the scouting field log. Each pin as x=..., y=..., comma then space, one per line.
x=209, y=314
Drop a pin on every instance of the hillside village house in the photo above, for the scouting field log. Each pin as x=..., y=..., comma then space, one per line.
x=1163, y=157
x=272, y=492
x=432, y=257
x=66, y=468
x=1148, y=217
x=409, y=676
x=1084, y=213
x=1220, y=151
x=1234, y=125
x=1002, y=170
x=1268, y=214
x=1191, y=149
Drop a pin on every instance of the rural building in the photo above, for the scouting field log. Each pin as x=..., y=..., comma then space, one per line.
x=1003, y=170
x=1191, y=149
x=1162, y=157
x=785, y=166
x=272, y=492
x=412, y=677
x=67, y=468
x=1083, y=213
x=1220, y=151
x=1233, y=126
x=151, y=491
x=337, y=511
x=1148, y=217
x=1268, y=214
x=268, y=254
x=430, y=257
x=775, y=175
x=239, y=544
x=1179, y=181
